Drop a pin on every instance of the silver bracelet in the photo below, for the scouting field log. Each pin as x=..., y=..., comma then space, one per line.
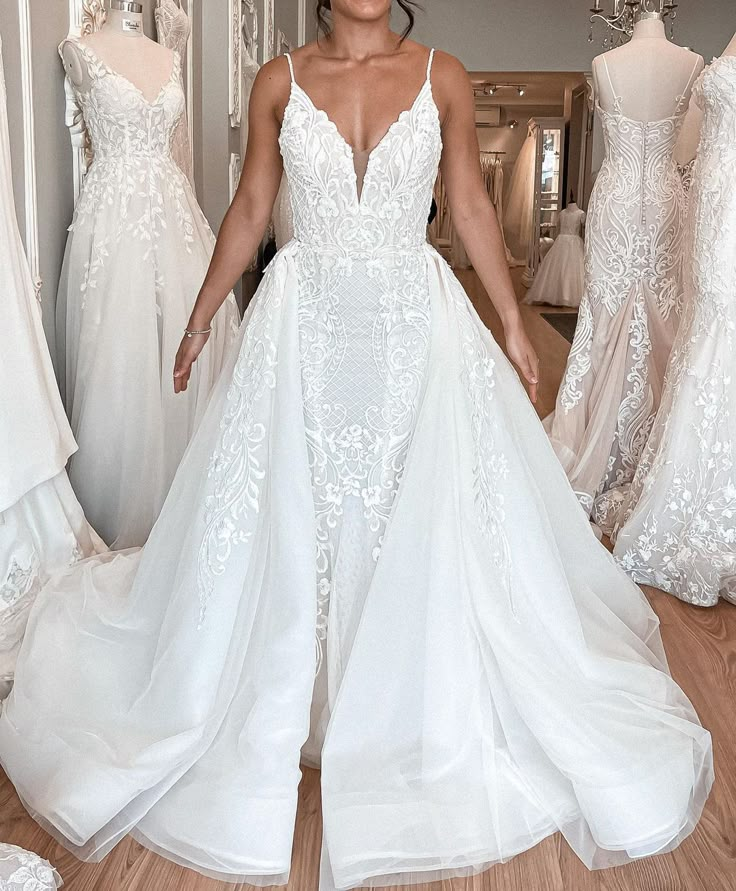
x=188, y=333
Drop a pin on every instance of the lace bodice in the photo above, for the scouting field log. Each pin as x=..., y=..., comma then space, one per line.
x=172, y=26
x=715, y=93
x=121, y=121
x=391, y=209
x=571, y=221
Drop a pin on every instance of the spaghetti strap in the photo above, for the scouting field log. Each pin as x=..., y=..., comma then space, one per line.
x=291, y=67
x=688, y=86
x=616, y=97
x=429, y=62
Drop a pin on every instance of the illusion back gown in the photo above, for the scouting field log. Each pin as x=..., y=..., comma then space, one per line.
x=370, y=498
x=634, y=251
x=679, y=524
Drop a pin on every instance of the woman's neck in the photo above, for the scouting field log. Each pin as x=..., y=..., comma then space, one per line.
x=128, y=23
x=354, y=39
x=648, y=29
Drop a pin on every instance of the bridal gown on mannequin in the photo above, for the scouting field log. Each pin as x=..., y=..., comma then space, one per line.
x=634, y=250
x=560, y=278
x=370, y=496
x=174, y=29
x=42, y=527
x=679, y=524
x=137, y=253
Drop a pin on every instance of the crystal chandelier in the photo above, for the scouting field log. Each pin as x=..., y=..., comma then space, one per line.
x=624, y=14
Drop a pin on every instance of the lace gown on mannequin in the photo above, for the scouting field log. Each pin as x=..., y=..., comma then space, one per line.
x=42, y=527
x=370, y=495
x=137, y=253
x=560, y=278
x=679, y=523
x=174, y=29
x=629, y=313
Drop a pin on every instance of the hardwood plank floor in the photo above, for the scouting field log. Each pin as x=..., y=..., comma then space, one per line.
x=701, y=645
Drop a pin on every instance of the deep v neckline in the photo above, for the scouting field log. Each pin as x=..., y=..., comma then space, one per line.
x=110, y=70
x=351, y=151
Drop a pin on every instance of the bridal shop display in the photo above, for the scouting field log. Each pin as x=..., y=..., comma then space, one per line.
x=363, y=507
x=560, y=278
x=138, y=249
x=634, y=270
x=42, y=526
x=678, y=525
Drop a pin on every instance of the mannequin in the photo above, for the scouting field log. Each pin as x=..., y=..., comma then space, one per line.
x=122, y=45
x=650, y=72
x=687, y=145
x=634, y=253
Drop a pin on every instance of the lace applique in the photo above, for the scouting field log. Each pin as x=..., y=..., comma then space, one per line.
x=235, y=470
x=19, y=581
x=24, y=871
x=686, y=543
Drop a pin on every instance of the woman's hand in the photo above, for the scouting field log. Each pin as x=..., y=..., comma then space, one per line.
x=186, y=356
x=523, y=355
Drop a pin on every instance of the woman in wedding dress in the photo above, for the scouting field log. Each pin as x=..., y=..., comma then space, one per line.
x=370, y=557
x=138, y=249
x=678, y=525
x=42, y=526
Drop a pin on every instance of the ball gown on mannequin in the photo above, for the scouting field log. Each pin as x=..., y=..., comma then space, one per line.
x=42, y=527
x=679, y=523
x=370, y=496
x=634, y=252
x=560, y=278
x=138, y=250
x=174, y=29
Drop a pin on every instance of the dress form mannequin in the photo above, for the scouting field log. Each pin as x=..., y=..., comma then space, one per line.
x=650, y=72
x=122, y=45
x=687, y=145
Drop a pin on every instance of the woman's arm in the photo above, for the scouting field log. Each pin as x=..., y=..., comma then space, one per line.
x=245, y=222
x=473, y=214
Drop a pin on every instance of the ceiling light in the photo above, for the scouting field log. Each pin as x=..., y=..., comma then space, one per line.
x=513, y=124
x=491, y=90
x=521, y=90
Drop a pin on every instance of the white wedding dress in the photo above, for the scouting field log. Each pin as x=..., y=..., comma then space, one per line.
x=634, y=252
x=370, y=495
x=174, y=29
x=679, y=523
x=24, y=871
x=560, y=278
x=137, y=253
x=42, y=527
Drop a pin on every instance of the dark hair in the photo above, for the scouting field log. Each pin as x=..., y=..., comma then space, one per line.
x=408, y=7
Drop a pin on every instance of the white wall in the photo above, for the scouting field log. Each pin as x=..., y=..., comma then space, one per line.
x=549, y=35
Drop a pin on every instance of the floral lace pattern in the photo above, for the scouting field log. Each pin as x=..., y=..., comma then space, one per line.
x=174, y=29
x=678, y=529
x=24, y=871
x=633, y=273
x=364, y=316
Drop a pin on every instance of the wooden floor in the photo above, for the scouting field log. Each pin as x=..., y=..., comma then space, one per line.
x=701, y=645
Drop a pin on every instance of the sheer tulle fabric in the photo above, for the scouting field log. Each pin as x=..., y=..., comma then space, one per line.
x=361, y=498
x=515, y=710
x=138, y=250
